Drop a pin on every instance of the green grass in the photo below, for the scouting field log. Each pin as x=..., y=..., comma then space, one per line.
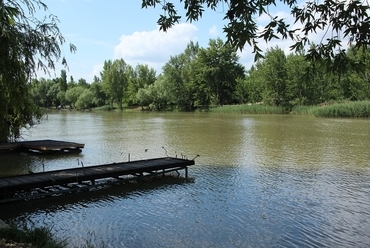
x=358, y=109
x=249, y=109
x=37, y=237
x=303, y=110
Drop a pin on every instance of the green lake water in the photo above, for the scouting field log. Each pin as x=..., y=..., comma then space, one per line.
x=260, y=181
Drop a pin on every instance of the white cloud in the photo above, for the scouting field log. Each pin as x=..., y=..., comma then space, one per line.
x=214, y=31
x=155, y=47
x=96, y=70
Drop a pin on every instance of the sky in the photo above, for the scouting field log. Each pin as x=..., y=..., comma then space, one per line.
x=115, y=29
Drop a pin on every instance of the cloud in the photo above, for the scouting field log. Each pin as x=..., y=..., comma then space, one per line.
x=155, y=47
x=213, y=31
x=97, y=69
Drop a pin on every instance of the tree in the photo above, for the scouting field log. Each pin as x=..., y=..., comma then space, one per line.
x=357, y=80
x=26, y=46
x=178, y=77
x=115, y=80
x=340, y=20
x=219, y=68
x=275, y=77
x=63, y=80
x=73, y=94
x=140, y=77
x=85, y=100
x=99, y=96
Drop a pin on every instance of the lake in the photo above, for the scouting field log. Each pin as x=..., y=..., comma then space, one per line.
x=260, y=181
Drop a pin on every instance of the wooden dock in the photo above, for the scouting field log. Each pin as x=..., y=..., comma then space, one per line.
x=41, y=184
x=42, y=146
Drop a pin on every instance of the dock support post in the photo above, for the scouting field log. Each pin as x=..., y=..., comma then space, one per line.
x=93, y=182
x=186, y=172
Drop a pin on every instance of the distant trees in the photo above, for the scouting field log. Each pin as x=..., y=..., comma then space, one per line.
x=139, y=78
x=115, y=80
x=199, y=78
x=218, y=69
x=291, y=80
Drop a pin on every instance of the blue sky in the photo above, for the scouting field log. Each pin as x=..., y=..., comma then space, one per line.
x=115, y=29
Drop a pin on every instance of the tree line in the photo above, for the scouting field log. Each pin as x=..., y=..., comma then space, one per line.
x=29, y=44
x=199, y=78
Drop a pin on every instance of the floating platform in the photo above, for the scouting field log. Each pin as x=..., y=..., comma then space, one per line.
x=42, y=146
x=42, y=184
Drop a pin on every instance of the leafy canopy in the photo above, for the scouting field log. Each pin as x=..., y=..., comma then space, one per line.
x=340, y=20
x=27, y=45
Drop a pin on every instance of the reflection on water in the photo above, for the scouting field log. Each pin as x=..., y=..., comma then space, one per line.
x=260, y=181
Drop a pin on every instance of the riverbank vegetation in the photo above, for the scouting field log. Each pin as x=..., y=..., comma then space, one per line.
x=36, y=237
x=200, y=78
x=347, y=109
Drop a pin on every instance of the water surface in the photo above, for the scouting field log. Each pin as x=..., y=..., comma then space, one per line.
x=260, y=180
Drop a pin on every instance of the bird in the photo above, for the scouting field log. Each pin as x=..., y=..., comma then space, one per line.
x=146, y=150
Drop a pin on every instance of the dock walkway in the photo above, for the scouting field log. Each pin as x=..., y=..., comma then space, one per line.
x=42, y=146
x=11, y=186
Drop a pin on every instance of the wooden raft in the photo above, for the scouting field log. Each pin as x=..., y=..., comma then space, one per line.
x=61, y=180
x=42, y=146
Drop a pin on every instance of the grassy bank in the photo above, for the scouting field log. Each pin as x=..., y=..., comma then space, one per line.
x=358, y=109
x=249, y=109
x=38, y=237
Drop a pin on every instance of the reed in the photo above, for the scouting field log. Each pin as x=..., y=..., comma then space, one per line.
x=249, y=109
x=303, y=110
x=358, y=109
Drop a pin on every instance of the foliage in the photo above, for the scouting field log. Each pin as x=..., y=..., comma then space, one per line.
x=99, y=96
x=73, y=94
x=85, y=100
x=27, y=45
x=199, y=78
x=37, y=237
x=274, y=73
x=219, y=68
x=339, y=20
x=140, y=77
x=115, y=80
x=249, y=109
x=178, y=77
x=359, y=109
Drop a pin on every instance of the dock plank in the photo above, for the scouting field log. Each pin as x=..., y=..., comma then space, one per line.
x=89, y=173
x=42, y=146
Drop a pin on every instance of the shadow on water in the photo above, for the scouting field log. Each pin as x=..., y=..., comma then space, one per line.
x=101, y=195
